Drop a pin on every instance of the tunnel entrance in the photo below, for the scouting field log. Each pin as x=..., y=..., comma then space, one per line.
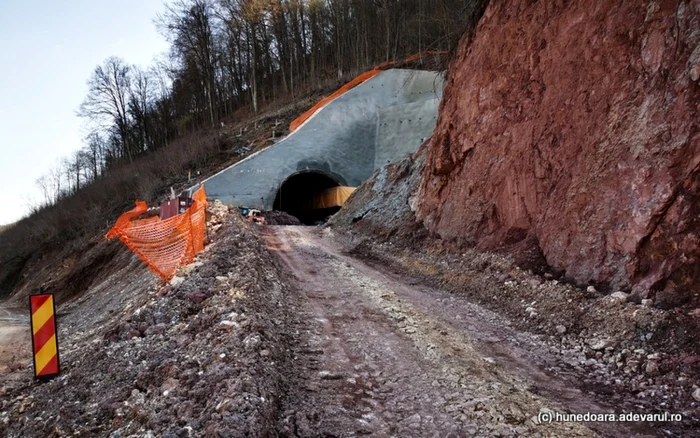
x=296, y=193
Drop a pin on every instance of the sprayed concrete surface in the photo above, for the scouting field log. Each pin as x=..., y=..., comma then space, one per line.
x=379, y=121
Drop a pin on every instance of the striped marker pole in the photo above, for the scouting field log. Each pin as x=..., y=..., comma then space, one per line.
x=44, y=342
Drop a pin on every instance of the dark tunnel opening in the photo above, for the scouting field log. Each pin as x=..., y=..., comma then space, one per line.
x=297, y=191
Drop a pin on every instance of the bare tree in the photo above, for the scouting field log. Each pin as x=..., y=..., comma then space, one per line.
x=81, y=166
x=94, y=152
x=188, y=25
x=55, y=180
x=106, y=102
x=43, y=183
x=140, y=101
x=69, y=172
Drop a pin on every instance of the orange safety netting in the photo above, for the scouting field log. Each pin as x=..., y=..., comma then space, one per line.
x=164, y=245
x=355, y=82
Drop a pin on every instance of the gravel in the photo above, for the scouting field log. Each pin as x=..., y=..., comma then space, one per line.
x=201, y=355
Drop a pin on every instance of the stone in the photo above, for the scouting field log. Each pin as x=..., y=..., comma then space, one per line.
x=413, y=419
x=647, y=303
x=187, y=269
x=591, y=289
x=328, y=375
x=176, y=281
x=221, y=282
x=618, y=297
x=601, y=344
x=652, y=368
x=590, y=223
x=164, y=291
x=196, y=296
x=696, y=394
x=694, y=72
x=252, y=341
x=561, y=329
x=535, y=282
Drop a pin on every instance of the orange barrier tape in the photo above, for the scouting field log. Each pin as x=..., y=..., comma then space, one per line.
x=355, y=82
x=44, y=342
x=164, y=245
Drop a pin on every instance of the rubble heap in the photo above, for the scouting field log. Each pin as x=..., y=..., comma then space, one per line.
x=199, y=354
x=280, y=218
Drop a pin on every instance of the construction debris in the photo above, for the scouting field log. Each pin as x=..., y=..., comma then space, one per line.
x=217, y=213
x=280, y=218
x=201, y=356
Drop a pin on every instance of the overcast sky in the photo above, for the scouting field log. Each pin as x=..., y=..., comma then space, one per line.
x=48, y=49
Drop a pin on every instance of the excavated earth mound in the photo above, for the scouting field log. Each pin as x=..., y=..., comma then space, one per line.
x=573, y=126
x=276, y=217
x=201, y=355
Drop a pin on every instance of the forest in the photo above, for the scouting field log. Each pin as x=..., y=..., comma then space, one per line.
x=228, y=54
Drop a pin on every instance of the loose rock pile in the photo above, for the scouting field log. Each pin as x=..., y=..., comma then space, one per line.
x=633, y=356
x=217, y=213
x=198, y=356
x=280, y=218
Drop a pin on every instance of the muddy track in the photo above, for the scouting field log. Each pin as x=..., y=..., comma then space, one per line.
x=14, y=338
x=379, y=355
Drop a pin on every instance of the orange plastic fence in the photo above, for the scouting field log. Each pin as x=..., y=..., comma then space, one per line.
x=164, y=245
x=355, y=82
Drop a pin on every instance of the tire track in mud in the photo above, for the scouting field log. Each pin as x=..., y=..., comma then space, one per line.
x=381, y=357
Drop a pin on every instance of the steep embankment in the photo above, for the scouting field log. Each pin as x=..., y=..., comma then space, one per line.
x=204, y=356
x=62, y=247
x=573, y=126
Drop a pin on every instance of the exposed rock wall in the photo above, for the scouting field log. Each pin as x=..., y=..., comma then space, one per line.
x=575, y=124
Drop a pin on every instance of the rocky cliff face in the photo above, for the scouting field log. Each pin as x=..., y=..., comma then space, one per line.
x=574, y=124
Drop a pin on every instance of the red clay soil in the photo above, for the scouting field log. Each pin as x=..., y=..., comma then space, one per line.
x=573, y=126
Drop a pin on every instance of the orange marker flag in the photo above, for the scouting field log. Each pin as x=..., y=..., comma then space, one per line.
x=44, y=341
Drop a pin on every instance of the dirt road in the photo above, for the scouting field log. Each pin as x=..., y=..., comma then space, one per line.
x=380, y=355
x=14, y=338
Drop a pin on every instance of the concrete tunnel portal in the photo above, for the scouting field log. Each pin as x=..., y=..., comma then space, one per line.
x=377, y=122
x=296, y=192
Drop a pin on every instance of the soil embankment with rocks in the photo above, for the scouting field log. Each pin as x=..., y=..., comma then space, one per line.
x=634, y=355
x=201, y=355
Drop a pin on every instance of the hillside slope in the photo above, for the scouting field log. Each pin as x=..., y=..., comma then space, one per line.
x=138, y=358
x=579, y=134
x=62, y=247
